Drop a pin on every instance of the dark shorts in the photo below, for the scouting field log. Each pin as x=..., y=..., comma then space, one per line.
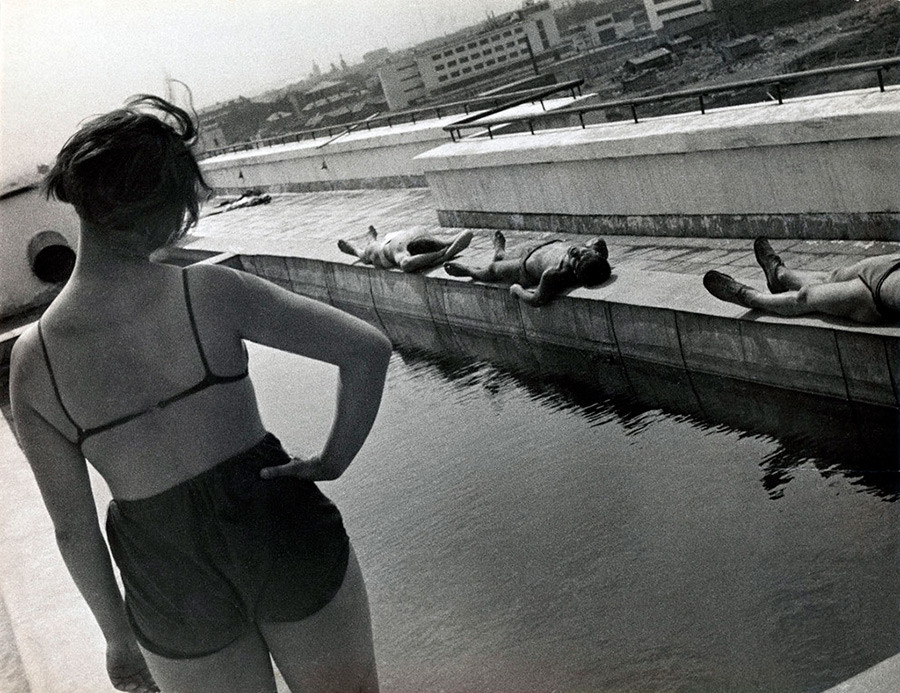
x=204, y=561
x=873, y=272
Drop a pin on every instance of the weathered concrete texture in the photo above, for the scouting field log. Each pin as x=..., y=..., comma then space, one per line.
x=654, y=317
x=654, y=310
x=374, y=183
x=380, y=157
x=814, y=167
x=851, y=226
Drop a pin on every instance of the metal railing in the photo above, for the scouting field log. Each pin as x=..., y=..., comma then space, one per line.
x=775, y=83
x=495, y=102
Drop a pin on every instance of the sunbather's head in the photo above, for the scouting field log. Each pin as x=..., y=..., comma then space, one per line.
x=588, y=264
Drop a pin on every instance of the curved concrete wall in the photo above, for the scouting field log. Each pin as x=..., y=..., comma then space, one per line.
x=816, y=167
x=22, y=217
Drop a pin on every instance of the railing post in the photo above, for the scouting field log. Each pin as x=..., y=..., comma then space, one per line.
x=437, y=112
x=702, y=107
x=778, y=93
x=581, y=119
x=543, y=108
x=634, y=112
x=490, y=134
x=414, y=118
x=531, y=125
x=880, y=79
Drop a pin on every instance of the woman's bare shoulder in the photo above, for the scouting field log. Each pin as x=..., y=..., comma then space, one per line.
x=25, y=361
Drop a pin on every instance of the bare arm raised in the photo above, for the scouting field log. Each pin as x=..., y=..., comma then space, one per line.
x=264, y=313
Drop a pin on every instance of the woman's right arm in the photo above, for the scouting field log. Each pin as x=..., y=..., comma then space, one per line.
x=264, y=313
x=62, y=478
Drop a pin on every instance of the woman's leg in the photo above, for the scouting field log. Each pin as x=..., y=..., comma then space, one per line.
x=242, y=667
x=846, y=299
x=330, y=651
x=412, y=262
x=504, y=271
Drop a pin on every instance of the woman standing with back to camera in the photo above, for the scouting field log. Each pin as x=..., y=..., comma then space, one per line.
x=228, y=551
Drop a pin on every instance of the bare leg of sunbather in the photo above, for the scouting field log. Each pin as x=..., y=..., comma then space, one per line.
x=413, y=262
x=848, y=298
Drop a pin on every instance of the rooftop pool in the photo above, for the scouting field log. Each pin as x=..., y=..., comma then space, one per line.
x=522, y=532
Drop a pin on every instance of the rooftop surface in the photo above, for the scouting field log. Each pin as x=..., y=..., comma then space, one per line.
x=310, y=224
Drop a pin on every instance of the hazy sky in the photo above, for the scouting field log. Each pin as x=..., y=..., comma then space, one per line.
x=64, y=60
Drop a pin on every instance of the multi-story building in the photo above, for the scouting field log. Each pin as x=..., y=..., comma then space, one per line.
x=467, y=55
x=675, y=16
x=603, y=29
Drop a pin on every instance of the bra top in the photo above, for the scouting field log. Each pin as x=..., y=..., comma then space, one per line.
x=208, y=380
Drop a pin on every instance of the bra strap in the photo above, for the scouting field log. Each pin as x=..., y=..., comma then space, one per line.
x=78, y=429
x=190, y=311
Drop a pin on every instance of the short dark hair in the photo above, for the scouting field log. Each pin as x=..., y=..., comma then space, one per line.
x=592, y=269
x=132, y=167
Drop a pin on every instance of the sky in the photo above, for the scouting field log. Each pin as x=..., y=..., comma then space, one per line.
x=62, y=61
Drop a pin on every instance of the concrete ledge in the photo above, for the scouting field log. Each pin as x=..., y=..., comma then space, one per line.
x=884, y=226
x=814, y=167
x=653, y=317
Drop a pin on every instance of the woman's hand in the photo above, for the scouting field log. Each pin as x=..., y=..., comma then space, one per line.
x=127, y=668
x=311, y=469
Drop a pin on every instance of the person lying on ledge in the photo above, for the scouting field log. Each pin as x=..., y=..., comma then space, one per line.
x=867, y=291
x=409, y=251
x=538, y=272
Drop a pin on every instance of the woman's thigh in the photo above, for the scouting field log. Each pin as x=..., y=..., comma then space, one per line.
x=331, y=650
x=242, y=667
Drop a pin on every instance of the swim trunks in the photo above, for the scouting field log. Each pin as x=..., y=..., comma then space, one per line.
x=205, y=560
x=873, y=273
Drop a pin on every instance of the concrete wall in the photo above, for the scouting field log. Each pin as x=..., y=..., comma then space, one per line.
x=23, y=216
x=382, y=157
x=816, y=167
x=652, y=318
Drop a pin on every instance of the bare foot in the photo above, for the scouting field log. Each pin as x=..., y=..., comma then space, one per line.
x=455, y=269
x=499, y=245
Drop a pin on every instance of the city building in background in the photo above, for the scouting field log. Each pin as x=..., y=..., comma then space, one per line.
x=469, y=56
x=677, y=16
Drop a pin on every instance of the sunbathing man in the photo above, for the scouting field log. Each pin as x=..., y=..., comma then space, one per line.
x=409, y=251
x=539, y=272
x=867, y=291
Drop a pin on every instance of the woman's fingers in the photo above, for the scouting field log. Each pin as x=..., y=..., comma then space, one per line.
x=287, y=469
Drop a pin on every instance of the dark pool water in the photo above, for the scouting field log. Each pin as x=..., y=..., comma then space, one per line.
x=523, y=534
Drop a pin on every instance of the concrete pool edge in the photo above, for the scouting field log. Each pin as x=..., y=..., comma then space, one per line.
x=659, y=317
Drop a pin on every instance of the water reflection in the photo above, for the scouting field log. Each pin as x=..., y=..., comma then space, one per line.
x=857, y=441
